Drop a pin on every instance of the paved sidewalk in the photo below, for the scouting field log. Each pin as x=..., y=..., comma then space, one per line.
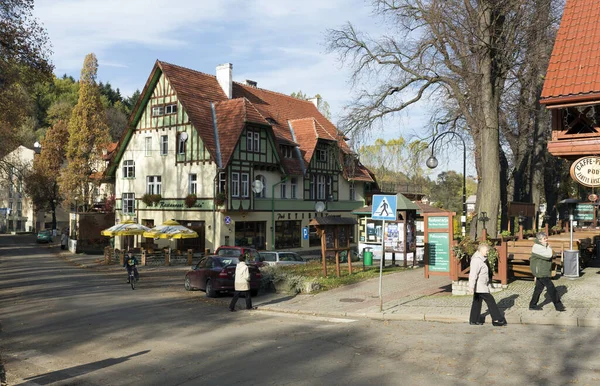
x=409, y=296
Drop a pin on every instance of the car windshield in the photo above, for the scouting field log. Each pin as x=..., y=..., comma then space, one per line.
x=230, y=252
x=268, y=256
x=225, y=261
x=44, y=233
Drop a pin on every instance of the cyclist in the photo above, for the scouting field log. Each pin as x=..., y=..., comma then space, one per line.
x=131, y=263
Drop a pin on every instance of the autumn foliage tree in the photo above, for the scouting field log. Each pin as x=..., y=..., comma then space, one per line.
x=88, y=139
x=24, y=61
x=41, y=183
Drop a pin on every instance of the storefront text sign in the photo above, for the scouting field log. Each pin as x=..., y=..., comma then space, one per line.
x=586, y=171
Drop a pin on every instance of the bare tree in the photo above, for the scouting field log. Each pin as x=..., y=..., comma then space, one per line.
x=458, y=54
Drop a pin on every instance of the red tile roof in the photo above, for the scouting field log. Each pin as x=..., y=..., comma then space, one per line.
x=199, y=92
x=574, y=70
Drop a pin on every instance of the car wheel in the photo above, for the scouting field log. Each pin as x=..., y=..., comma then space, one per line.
x=210, y=292
x=187, y=284
x=253, y=293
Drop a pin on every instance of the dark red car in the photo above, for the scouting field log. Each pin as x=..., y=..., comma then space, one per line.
x=215, y=274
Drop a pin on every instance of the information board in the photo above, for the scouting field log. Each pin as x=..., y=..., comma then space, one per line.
x=584, y=212
x=439, y=252
x=440, y=222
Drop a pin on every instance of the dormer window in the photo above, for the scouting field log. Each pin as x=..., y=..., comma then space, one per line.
x=271, y=121
x=322, y=155
x=253, y=141
x=286, y=151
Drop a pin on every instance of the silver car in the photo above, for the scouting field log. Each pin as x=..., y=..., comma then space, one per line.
x=280, y=258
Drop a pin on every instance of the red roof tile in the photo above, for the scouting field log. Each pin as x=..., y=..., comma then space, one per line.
x=574, y=68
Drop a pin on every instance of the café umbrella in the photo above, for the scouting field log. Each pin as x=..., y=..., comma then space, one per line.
x=125, y=228
x=171, y=230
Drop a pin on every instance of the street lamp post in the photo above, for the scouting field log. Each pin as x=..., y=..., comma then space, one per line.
x=432, y=163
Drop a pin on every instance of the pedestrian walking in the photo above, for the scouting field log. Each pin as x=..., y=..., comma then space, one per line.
x=241, y=284
x=541, y=268
x=479, y=279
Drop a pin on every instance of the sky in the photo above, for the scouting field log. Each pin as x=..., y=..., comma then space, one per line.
x=281, y=44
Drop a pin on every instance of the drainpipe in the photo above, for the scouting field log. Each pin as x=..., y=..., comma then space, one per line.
x=214, y=216
x=273, y=211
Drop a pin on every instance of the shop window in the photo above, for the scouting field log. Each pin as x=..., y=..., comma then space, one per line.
x=287, y=234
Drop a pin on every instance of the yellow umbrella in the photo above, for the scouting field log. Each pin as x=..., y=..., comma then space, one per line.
x=170, y=230
x=125, y=228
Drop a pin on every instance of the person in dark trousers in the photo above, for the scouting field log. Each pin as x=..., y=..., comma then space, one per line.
x=541, y=268
x=479, y=279
x=241, y=284
x=131, y=263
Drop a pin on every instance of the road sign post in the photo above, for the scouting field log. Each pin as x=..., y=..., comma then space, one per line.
x=384, y=208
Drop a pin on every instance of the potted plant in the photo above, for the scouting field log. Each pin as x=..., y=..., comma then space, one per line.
x=467, y=247
x=220, y=198
x=151, y=199
x=190, y=200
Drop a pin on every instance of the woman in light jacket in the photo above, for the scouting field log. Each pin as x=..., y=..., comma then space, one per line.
x=241, y=284
x=479, y=278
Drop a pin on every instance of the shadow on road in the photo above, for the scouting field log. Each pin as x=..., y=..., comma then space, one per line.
x=75, y=371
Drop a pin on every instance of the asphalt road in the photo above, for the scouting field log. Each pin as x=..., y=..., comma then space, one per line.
x=66, y=325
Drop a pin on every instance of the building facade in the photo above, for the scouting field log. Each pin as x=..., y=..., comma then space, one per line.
x=239, y=164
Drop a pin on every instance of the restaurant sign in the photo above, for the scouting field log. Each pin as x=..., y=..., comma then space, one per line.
x=586, y=171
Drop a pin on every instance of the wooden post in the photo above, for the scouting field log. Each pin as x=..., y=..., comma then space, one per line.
x=503, y=262
x=144, y=252
x=167, y=257
x=546, y=228
x=323, y=246
x=405, y=254
x=337, y=263
x=122, y=257
x=349, y=261
x=484, y=234
x=520, y=232
x=189, y=256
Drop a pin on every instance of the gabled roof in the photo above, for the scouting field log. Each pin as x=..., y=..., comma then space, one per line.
x=573, y=74
x=199, y=93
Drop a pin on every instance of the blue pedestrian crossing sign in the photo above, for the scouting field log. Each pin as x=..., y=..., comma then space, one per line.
x=384, y=207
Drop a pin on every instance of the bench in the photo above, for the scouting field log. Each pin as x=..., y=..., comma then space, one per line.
x=519, y=253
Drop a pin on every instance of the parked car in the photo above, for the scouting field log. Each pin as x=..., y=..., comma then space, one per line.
x=215, y=274
x=44, y=236
x=230, y=251
x=280, y=258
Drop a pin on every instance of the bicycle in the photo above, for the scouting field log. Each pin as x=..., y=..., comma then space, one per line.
x=132, y=278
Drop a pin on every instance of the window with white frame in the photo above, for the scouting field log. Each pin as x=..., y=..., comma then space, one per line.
x=182, y=143
x=263, y=181
x=164, y=145
x=320, y=187
x=253, y=141
x=10, y=189
x=283, y=190
x=128, y=169
x=245, y=185
x=153, y=184
x=158, y=111
x=171, y=109
x=286, y=151
x=128, y=203
x=329, y=191
x=294, y=187
x=193, y=184
x=352, y=191
x=19, y=209
x=235, y=184
x=148, y=146
x=222, y=182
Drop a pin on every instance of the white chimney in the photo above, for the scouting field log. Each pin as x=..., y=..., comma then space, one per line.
x=224, y=78
x=316, y=101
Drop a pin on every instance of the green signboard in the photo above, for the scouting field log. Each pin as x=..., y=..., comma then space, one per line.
x=439, y=252
x=584, y=212
x=438, y=222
